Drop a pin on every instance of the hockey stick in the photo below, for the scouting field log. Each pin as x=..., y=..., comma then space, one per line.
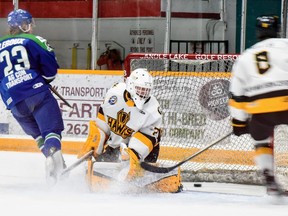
x=78, y=162
x=60, y=96
x=156, y=169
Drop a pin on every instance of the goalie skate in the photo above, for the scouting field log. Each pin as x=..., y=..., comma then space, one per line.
x=54, y=166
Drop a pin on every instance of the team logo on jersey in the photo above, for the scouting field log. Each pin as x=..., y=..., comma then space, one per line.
x=44, y=41
x=119, y=125
x=112, y=100
x=37, y=85
x=213, y=97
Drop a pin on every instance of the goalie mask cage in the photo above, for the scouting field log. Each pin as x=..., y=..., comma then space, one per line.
x=192, y=90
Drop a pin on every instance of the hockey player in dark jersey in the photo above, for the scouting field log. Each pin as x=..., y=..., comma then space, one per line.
x=27, y=66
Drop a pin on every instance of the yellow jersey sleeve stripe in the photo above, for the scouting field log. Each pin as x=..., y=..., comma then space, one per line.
x=144, y=139
x=263, y=150
x=239, y=125
x=265, y=105
x=237, y=105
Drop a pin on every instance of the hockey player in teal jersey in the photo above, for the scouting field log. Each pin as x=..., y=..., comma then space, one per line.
x=27, y=66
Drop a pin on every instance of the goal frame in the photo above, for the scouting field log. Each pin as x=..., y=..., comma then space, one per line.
x=223, y=164
x=174, y=56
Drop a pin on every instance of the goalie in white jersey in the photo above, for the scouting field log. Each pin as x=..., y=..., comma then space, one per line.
x=127, y=128
x=259, y=93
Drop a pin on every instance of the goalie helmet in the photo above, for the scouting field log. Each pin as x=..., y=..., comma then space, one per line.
x=139, y=84
x=267, y=27
x=20, y=19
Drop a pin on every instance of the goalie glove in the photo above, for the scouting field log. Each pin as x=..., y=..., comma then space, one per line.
x=239, y=127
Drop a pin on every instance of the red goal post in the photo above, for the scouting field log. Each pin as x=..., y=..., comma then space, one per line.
x=192, y=90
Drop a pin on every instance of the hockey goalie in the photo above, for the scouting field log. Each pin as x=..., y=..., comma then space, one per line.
x=126, y=132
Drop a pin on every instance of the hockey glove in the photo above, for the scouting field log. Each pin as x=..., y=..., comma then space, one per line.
x=240, y=127
x=48, y=81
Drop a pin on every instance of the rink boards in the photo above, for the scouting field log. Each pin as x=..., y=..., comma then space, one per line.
x=72, y=146
x=85, y=91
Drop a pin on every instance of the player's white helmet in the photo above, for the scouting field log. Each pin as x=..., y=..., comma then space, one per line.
x=139, y=84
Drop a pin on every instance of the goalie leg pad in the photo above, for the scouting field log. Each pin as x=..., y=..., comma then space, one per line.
x=95, y=140
x=96, y=183
x=104, y=177
x=170, y=184
x=135, y=170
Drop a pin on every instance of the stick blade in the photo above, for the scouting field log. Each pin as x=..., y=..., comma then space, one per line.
x=156, y=169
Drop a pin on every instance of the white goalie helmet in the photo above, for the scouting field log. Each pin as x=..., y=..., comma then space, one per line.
x=139, y=84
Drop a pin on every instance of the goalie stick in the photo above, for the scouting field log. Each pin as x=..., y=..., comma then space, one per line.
x=78, y=162
x=152, y=168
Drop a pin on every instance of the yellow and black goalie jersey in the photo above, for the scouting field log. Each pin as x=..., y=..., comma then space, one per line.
x=119, y=118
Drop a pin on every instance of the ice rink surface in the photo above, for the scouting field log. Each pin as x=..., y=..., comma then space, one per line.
x=23, y=191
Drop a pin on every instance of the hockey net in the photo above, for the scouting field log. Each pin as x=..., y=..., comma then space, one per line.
x=192, y=90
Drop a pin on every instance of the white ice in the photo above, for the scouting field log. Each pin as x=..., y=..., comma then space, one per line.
x=23, y=191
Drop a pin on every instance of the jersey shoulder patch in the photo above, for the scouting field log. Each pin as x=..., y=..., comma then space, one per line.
x=39, y=40
x=115, y=93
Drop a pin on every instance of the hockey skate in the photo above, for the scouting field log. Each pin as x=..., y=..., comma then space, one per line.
x=55, y=164
x=273, y=188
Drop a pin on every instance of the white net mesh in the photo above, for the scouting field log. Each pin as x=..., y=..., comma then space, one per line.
x=193, y=94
